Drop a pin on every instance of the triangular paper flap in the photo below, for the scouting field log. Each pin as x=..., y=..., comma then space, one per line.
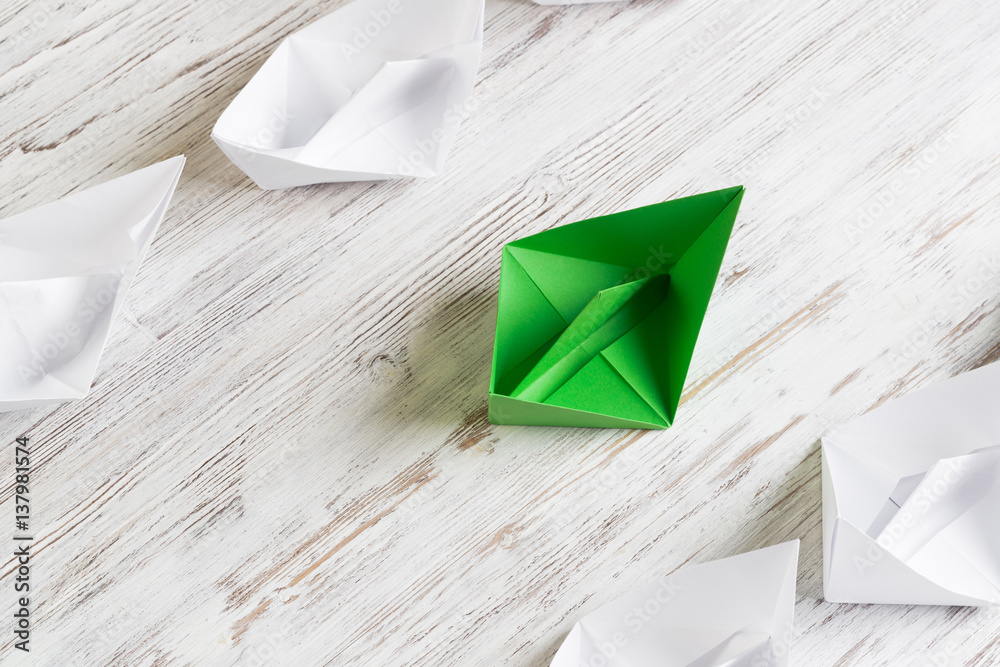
x=946, y=492
x=574, y=647
x=569, y=283
x=292, y=96
x=316, y=87
x=860, y=487
x=507, y=410
x=600, y=389
x=571, y=263
x=416, y=141
x=831, y=512
x=526, y=321
x=359, y=136
x=739, y=591
x=606, y=318
x=692, y=280
x=948, y=565
x=607, y=642
x=596, y=388
x=99, y=230
x=861, y=571
x=907, y=435
x=521, y=342
x=975, y=532
x=904, y=489
x=639, y=357
x=649, y=239
x=57, y=313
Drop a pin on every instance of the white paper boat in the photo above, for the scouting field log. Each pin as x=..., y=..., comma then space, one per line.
x=64, y=270
x=375, y=90
x=734, y=612
x=911, y=498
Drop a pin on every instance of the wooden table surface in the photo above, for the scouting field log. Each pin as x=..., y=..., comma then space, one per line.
x=285, y=457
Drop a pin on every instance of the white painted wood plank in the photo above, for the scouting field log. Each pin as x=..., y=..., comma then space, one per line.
x=285, y=457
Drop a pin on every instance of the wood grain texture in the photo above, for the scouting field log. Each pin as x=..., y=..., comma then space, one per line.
x=285, y=457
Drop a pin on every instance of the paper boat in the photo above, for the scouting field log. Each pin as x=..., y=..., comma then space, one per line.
x=597, y=320
x=64, y=270
x=911, y=498
x=376, y=90
x=734, y=612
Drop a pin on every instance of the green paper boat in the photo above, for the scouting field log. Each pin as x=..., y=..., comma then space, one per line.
x=598, y=319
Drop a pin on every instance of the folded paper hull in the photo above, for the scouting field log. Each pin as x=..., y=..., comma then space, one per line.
x=597, y=320
x=911, y=498
x=734, y=612
x=374, y=91
x=64, y=271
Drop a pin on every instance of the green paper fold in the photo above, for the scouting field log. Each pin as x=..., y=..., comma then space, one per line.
x=597, y=320
x=611, y=314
